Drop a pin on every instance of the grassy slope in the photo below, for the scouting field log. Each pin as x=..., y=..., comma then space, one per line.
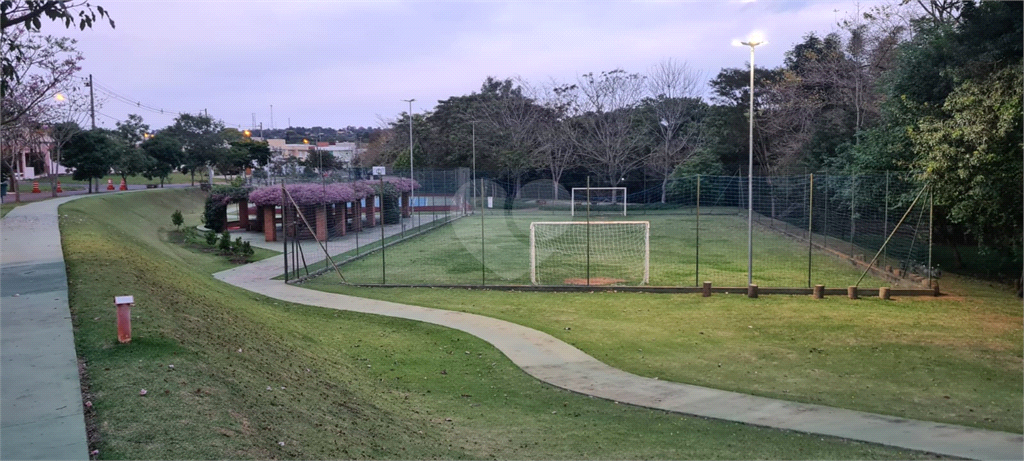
x=955, y=358
x=250, y=373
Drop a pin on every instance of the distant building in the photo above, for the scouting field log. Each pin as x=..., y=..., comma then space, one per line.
x=343, y=152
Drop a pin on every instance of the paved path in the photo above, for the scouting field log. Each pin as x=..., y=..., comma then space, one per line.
x=553, y=361
x=40, y=396
x=40, y=393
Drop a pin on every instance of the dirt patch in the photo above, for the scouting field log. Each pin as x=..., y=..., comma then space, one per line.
x=596, y=281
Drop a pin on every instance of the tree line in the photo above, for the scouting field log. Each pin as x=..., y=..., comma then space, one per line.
x=929, y=90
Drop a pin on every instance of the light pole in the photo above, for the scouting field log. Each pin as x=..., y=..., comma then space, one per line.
x=752, y=43
x=412, y=185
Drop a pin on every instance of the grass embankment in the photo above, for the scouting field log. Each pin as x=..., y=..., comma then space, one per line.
x=455, y=256
x=955, y=358
x=257, y=378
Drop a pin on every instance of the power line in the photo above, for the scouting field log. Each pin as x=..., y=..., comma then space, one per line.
x=138, y=104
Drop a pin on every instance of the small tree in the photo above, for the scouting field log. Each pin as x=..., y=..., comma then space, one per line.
x=177, y=219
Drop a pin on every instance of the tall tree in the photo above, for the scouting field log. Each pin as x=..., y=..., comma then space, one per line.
x=67, y=115
x=28, y=14
x=201, y=141
x=675, y=112
x=44, y=64
x=92, y=154
x=972, y=156
x=165, y=154
x=606, y=126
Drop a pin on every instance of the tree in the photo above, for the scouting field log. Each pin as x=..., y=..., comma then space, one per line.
x=320, y=160
x=43, y=65
x=29, y=13
x=972, y=157
x=66, y=118
x=92, y=154
x=675, y=112
x=201, y=140
x=165, y=153
x=605, y=126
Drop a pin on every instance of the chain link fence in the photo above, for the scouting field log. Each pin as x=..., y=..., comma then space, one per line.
x=460, y=228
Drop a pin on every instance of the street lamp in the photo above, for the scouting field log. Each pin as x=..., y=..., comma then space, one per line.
x=752, y=43
x=412, y=186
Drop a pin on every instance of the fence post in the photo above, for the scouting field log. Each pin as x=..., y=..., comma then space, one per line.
x=696, y=262
x=383, y=262
x=483, y=248
x=810, y=227
x=931, y=215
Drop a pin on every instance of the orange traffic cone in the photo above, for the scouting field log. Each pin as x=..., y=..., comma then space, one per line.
x=110, y=184
x=59, y=190
x=35, y=187
x=123, y=185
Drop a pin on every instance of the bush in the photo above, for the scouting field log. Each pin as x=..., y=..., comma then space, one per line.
x=177, y=219
x=389, y=196
x=225, y=242
x=211, y=238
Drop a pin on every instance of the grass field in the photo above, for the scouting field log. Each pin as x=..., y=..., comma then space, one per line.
x=257, y=378
x=455, y=256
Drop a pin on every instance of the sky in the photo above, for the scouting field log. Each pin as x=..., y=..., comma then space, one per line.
x=352, y=63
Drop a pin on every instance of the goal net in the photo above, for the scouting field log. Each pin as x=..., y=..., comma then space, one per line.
x=594, y=253
x=601, y=200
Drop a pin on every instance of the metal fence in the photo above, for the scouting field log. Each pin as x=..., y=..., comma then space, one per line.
x=805, y=230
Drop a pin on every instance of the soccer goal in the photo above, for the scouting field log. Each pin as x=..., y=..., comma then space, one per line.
x=590, y=253
x=599, y=199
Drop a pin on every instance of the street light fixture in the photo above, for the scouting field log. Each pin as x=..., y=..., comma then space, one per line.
x=752, y=43
x=412, y=186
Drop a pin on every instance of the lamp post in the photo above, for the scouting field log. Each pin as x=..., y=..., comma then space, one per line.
x=752, y=43
x=412, y=186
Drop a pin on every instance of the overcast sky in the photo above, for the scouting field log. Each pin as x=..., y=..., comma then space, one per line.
x=340, y=63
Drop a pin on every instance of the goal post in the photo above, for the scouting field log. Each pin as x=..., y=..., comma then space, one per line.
x=600, y=199
x=590, y=253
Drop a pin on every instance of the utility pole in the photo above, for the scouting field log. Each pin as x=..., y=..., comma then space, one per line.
x=92, y=104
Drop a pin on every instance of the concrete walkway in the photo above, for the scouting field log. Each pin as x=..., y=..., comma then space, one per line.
x=40, y=396
x=555, y=362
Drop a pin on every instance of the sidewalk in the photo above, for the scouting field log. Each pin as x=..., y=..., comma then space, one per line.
x=40, y=395
x=557, y=363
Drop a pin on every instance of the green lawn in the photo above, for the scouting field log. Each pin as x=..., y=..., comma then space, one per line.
x=454, y=255
x=256, y=378
x=955, y=358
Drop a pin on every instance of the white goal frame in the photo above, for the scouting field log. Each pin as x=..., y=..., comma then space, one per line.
x=647, y=243
x=583, y=194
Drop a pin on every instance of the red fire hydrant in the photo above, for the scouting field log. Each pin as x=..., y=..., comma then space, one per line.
x=124, y=317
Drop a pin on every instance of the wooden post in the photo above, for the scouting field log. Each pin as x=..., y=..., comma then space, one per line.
x=819, y=291
x=851, y=292
x=883, y=293
x=706, y=290
x=751, y=291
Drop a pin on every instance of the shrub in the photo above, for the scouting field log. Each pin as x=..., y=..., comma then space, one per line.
x=225, y=242
x=177, y=219
x=211, y=238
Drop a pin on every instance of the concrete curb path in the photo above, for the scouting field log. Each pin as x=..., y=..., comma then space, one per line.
x=555, y=362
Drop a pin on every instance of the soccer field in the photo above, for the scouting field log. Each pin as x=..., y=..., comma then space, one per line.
x=495, y=250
